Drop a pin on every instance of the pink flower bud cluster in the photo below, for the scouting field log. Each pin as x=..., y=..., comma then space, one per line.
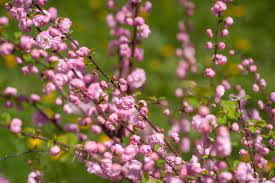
x=124, y=42
x=221, y=32
x=187, y=51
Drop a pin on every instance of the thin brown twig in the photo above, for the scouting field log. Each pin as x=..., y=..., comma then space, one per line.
x=21, y=154
x=246, y=137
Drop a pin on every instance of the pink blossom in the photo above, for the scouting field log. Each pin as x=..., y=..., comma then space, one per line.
x=218, y=8
x=41, y=2
x=55, y=150
x=272, y=97
x=127, y=102
x=210, y=73
x=15, y=125
x=209, y=33
x=222, y=146
x=56, y=43
x=44, y=40
x=147, y=6
x=6, y=48
x=90, y=147
x=52, y=13
x=94, y=168
x=83, y=52
x=202, y=124
x=25, y=24
x=229, y=21
x=35, y=177
x=40, y=20
x=244, y=173
x=143, y=31
x=146, y=150
x=235, y=127
x=64, y=25
x=133, y=170
x=156, y=138
x=137, y=78
x=220, y=91
x=18, y=13
x=94, y=91
x=10, y=91
x=22, y=3
x=4, y=21
x=26, y=42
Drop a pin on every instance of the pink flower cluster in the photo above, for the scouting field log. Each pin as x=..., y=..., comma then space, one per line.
x=218, y=59
x=124, y=42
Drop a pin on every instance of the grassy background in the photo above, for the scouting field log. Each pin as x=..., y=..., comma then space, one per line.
x=253, y=34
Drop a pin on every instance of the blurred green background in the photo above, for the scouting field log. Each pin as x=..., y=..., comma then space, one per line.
x=253, y=34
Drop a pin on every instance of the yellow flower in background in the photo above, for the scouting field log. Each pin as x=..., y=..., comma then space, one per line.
x=143, y=13
x=101, y=15
x=87, y=127
x=49, y=112
x=58, y=156
x=207, y=60
x=49, y=98
x=104, y=138
x=77, y=27
x=74, y=119
x=10, y=61
x=86, y=61
x=167, y=50
x=242, y=44
x=95, y=4
x=245, y=158
x=270, y=166
x=33, y=143
x=167, y=6
x=236, y=11
x=155, y=65
x=231, y=69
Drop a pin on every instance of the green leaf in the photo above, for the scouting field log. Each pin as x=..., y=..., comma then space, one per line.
x=70, y=139
x=53, y=64
x=222, y=120
x=29, y=130
x=266, y=136
x=252, y=129
x=246, y=97
x=17, y=35
x=160, y=163
x=161, y=98
x=189, y=177
x=147, y=179
x=235, y=163
x=229, y=108
x=27, y=58
x=272, y=173
x=272, y=134
x=50, y=143
x=204, y=172
x=5, y=118
x=152, y=99
x=138, y=93
x=156, y=147
x=261, y=123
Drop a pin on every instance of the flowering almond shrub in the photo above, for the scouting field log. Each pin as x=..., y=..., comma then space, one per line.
x=228, y=139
